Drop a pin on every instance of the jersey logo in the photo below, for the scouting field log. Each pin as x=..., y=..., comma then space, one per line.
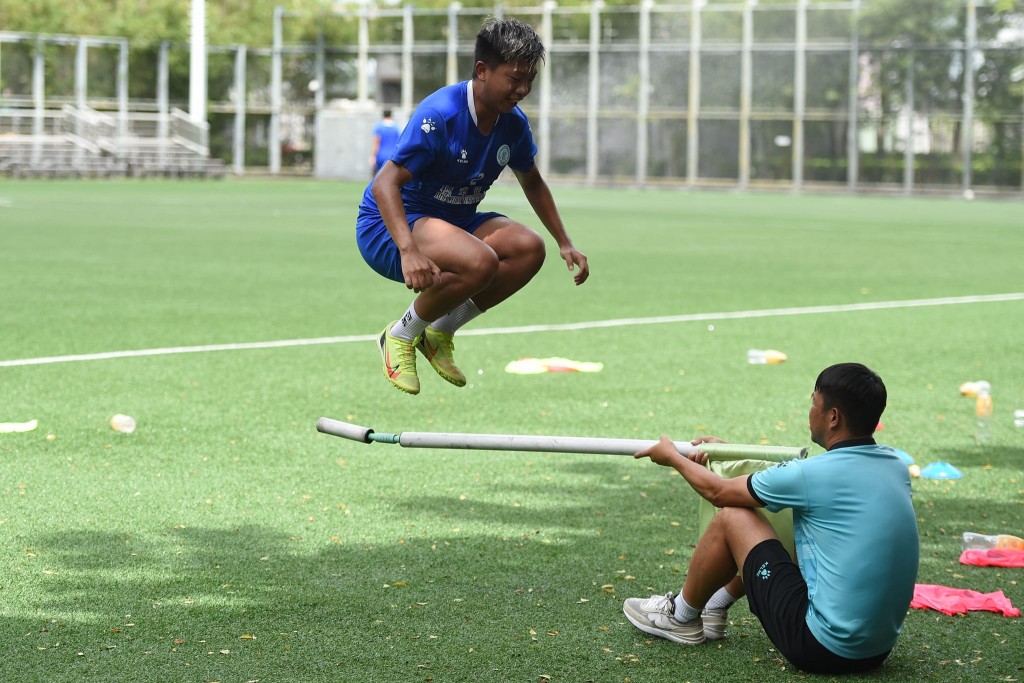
x=463, y=157
x=763, y=572
x=427, y=126
x=503, y=155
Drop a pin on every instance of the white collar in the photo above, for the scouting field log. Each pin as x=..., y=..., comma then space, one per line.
x=470, y=102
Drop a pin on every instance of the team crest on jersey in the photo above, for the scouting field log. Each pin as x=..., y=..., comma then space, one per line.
x=463, y=157
x=427, y=126
x=503, y=155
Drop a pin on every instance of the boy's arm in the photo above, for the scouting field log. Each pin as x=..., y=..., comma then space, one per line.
x=419, y=272
x=543, y=203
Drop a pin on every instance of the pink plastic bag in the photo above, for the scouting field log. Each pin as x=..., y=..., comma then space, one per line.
x=960, y=600
x=991, y=557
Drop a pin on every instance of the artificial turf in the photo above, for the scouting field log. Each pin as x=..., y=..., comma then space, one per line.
x=226, y=540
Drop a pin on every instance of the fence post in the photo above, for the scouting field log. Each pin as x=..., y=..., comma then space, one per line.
x=39, y=101
x=693, y=104
x=407, y=46
x=546, y=36
x=643, y=91
x=363, y=68
x=81, y=73
x=967, y=136
x=799, y=95
x=452, y=56
x=593, y=89
x=162, y=81
x=908, y=144
x=81, y=89
x=197, y=62
x=122, y=89
x=746, y=77
x=852, y=138
x=274, y=134
x=238, y=143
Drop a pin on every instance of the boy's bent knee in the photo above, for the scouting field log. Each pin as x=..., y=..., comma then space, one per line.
x=482, y=268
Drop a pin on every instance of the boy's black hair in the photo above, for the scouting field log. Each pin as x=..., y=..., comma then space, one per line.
x=508, y=41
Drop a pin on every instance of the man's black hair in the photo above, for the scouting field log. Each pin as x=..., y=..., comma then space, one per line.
x=857, y=391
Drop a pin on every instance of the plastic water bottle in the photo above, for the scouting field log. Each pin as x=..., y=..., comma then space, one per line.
x=1018, y=418
x=765, y=356
x=972, y=541
x=983, y=413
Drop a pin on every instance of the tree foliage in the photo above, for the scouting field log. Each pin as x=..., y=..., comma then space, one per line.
x=148, y=22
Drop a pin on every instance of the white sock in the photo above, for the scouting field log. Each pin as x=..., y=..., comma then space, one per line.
x=410, y=325
x=722, y=599
x=684, y=612
x=457, y=317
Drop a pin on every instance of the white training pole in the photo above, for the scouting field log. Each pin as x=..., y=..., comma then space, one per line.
x=553, y=444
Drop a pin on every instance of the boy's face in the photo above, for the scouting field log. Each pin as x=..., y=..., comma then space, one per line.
x=505, y=85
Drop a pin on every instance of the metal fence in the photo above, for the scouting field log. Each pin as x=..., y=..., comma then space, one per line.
x=719, y=95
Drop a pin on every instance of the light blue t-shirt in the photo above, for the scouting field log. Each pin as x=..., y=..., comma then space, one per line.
x=856, y=542
x=453, y=164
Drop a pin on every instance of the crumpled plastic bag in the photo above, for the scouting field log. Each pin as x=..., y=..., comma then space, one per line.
x=993, y=557
x=953, y=601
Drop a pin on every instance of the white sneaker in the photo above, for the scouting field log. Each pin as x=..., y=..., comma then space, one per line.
x=656, y=615
x=715, y=623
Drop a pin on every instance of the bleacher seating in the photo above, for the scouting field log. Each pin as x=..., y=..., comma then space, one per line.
x=87, y=143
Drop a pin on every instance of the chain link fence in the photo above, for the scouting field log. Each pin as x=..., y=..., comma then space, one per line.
x=741, y=95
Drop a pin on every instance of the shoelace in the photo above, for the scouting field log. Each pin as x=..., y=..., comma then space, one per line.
x=406, y=354
x=661, y=603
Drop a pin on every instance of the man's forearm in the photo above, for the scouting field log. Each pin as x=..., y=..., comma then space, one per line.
x=718, y=491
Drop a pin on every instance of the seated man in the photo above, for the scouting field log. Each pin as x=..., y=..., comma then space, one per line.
x=840, y=608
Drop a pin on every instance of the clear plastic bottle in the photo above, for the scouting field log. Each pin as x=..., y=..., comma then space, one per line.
x=983, y=412
x=765, y=356
x=1018, y=418
x=973, y=541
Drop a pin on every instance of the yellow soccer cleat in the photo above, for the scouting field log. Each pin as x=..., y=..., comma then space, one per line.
x=399, y=357
x=439, y=349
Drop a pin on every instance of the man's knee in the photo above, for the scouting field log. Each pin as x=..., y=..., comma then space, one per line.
x=743, y=526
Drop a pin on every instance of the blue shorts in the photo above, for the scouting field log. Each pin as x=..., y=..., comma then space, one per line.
x=380, y=251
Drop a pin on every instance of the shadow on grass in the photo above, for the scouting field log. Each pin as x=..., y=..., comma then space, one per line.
x=524, y=593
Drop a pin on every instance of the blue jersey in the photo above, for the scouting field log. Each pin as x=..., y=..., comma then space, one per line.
x=452, y=163
x=856, y=542
x=387, y=132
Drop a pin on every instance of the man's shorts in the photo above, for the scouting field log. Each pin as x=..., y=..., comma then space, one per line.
x=777, y=595
x=380, y=251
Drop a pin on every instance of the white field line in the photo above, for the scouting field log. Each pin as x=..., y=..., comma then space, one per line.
x=595, y=324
